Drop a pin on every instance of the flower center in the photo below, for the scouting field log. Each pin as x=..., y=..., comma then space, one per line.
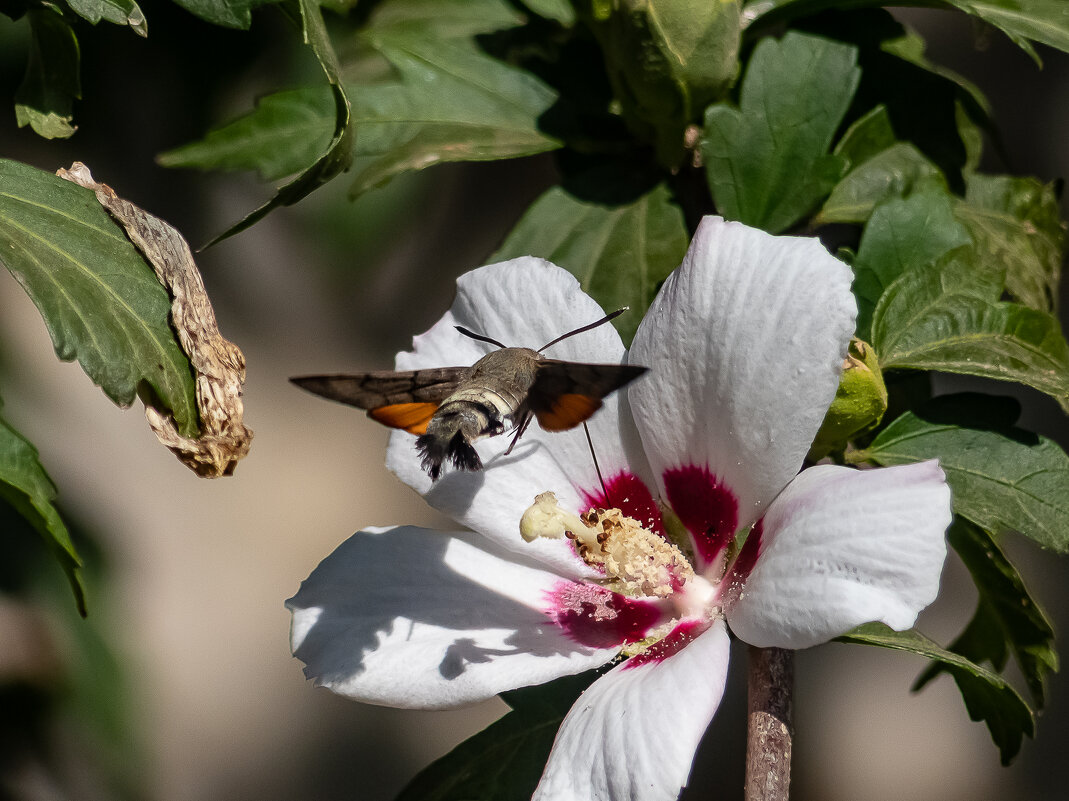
x=636, y=562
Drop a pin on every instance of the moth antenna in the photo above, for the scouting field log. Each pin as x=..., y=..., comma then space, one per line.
x=597, y=467
x=602, y=321
x=478, y=337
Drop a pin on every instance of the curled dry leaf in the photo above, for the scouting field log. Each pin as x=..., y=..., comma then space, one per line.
x=218, y=364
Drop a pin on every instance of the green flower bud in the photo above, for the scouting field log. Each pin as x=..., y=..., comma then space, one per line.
x=859, y=402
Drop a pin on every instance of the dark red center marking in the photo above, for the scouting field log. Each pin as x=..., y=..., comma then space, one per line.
x=743, y=564
x=627, y=493
x=673, y=642
x=599, y=618
x=707, y=508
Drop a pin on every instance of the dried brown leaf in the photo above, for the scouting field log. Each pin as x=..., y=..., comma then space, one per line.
x=218, y=364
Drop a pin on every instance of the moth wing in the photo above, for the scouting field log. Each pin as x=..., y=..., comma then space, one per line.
x=565, y=394
x=400, y=399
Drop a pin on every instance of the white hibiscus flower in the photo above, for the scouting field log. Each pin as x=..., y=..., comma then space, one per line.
x=744, y=343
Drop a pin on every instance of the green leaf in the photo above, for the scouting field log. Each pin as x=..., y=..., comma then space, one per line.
x=26, y=486
x=504, y=761
x=921, y=98
x=988, y=696
x=339, y=154
x=447, y=101
x=620, y=253
x=46, y=96
x=1045, y=21
x=285, y=133
x=949, y=319
x=767, y=162
x=867, y=136
x=892, y=173
x=101, y=302
x=227, y=13
x=1003, y=478
x=452, y=103
x=1016, y=222
x=1006, y=617
x=117, y=12
x=558, y=10
x=666, y=60
x=902, y=234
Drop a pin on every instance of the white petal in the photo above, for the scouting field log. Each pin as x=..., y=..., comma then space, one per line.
x=842, y=547
x=414, y=618
x=746, y=339
x=633, y=733
x=523, y=302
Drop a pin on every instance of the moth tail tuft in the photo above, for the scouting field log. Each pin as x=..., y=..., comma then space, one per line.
x=435, y=450
x=432, y=452
x=463, y=454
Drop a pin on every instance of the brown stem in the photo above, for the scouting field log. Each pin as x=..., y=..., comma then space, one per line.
x=769, y=724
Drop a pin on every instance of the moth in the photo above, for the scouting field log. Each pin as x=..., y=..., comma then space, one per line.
x=450, y=408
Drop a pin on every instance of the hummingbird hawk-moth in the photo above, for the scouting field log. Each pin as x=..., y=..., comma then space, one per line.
x=449, y=408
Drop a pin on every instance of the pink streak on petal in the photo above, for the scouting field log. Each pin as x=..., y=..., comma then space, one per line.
x=672, y=643
x=740, y=569
x=708, y=509
x=599, y=618
x=627, y=493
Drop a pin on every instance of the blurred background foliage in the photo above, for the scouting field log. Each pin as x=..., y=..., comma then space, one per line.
x=179, y=685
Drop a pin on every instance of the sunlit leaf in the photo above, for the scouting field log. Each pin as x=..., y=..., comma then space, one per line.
x=101, y=303
x=1016, y=222
x=117, y=12
x=948, y=318
x=620, y=253
x=894, y=172
x=1003, y=478
x=902, y=234
x=767, y=161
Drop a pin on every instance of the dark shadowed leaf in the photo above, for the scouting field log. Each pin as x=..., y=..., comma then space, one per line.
x=1003, y=478
x=767, y=162
x=504, y=761
x=45, y=99
x=1045, y=21
x=228, y=13
x=284, y=134
x=621, y=254
x=101, y=302
x=26, y=486
x=452, y=103
x=339, y=154
x=988, y=697
x=868, y=135
x=1006, y=619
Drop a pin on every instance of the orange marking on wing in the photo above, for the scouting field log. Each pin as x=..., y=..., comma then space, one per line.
x=412, y=417
x=567, y=411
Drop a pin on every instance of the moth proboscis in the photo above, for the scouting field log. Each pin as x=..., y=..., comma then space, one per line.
x=449, y=408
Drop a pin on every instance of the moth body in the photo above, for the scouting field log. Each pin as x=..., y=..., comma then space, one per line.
x=490, y=401
x=450, y=408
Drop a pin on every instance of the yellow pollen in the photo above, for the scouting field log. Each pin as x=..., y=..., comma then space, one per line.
x=636, y=561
